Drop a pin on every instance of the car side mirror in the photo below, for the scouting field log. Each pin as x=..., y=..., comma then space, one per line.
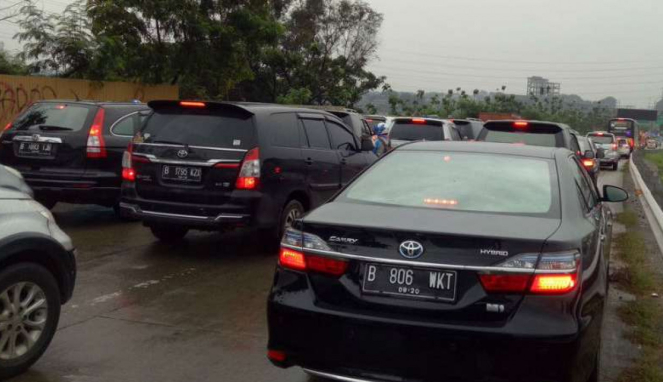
x=589, y=154
x=367, y=144
x=600, y=153
x=614, y=194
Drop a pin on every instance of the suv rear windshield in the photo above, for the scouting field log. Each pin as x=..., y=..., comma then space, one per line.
x=602, y=139
x=499, y=183
x=584, y=144
x=200, y=128
x=535, y=135
x=53, y=116
x=405, y=130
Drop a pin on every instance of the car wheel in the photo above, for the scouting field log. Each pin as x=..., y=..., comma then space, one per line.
x=169, y=234
x=291, y=212
x=29, y=315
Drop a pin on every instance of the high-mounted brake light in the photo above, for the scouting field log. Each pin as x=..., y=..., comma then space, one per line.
x=249, y=173
x=419, y=120
x=96, y=147
x=60, y=107
x=599, y=134
x=192, y=104
x=520, y=124
x=621, y=119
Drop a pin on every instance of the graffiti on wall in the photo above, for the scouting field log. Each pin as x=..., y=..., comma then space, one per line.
x=18, y=93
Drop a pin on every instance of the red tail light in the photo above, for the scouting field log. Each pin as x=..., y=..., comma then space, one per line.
x=96, y=147
x=7, y=126
x=588, y=163
x=504, y=283
x=249, y=173
x=128, y=160
x=554, y=284
x=226, y=165
x=276, y=355
x=614, y=146
x=291, y=259
x=129, y=174
x=631, y=142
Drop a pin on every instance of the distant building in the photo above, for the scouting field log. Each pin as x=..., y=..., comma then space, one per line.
x=539, y=86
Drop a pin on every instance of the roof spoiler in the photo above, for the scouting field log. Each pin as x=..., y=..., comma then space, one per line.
x=208, y=105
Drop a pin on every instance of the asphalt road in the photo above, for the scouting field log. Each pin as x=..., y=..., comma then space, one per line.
x=143, y=311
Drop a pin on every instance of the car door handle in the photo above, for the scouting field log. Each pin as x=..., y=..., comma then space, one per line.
x=309, y=161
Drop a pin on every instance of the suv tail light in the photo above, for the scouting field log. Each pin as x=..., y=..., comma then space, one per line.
x=7, y=127
x=555, y=273
x=128, y=159
x=292, y=254
x=614, y=146
x=588, y=163
x=96, y=147
x=249, y=173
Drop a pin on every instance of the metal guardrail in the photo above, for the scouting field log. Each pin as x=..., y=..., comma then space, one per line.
x=650, y=206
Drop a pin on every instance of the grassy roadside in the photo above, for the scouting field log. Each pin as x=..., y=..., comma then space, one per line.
x=656, y=157
x=644, y=314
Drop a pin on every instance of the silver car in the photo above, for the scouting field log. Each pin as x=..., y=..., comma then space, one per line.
x=608, y=143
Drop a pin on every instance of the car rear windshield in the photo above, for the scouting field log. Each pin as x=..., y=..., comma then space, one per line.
x=584, y=144
x=408, y=131
x=534, y=135
x=498, y=183
x=54, y=116
x=205, y=128
x=602, y=139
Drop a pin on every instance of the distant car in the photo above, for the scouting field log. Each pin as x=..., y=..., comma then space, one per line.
x=534, y=133
x=458, y=260
x=71, y=151
x=652, y=144
x=607, y=142
x=623, y=148
x=215, y=166
x=591, y=157
x=410, y=129
x=37, y=276
x=469, y=129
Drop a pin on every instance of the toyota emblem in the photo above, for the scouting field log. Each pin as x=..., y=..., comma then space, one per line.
x=411, y=249
x=183, y=153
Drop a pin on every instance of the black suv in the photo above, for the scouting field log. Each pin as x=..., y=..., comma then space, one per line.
x=71, y=151
x=213, y=165
x=535, y=133
x=356, y=121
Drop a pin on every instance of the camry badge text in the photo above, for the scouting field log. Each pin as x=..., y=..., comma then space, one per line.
x=346, y=240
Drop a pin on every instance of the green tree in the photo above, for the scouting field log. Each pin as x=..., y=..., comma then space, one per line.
x=11, y=64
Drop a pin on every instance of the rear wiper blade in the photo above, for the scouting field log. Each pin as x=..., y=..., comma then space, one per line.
x=51, y=127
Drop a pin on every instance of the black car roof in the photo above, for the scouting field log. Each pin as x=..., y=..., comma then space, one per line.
x=248, y=107
x=560, y=125
x=91, y=102
x=484, y=147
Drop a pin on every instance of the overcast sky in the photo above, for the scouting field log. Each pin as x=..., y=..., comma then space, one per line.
x=594, y=48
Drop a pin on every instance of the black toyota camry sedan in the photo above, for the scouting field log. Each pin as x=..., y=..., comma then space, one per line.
x=449, y=261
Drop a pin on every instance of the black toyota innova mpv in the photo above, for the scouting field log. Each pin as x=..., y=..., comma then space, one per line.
x=214, y=165
x=71, y=151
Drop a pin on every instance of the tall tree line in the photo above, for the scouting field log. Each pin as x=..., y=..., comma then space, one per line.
x=289, y=51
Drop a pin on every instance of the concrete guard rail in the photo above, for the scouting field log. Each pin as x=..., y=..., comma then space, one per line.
x=650, y=206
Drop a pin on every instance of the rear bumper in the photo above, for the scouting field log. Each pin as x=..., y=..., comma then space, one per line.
x=134, y=210
x=98, y=188
x=378, y=350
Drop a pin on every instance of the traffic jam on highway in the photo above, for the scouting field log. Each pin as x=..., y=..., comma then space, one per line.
x=396, y=248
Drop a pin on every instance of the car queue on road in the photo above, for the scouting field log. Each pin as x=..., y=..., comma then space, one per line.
x=407, y=261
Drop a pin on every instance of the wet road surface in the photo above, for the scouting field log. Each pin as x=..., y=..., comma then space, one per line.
x=144, y=311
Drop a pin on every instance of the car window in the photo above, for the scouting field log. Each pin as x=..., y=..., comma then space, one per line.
x=438, y=180
x=316, y=134
x=127, y=125
x=575, y=147
x=407, y=131
x=42, y=116
x=584, y=184
x=200, y=127
x=367, y=129
x=602, y=139
x=284, y=130
x=584, y=144
x=454, y=133
x=341, y=138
